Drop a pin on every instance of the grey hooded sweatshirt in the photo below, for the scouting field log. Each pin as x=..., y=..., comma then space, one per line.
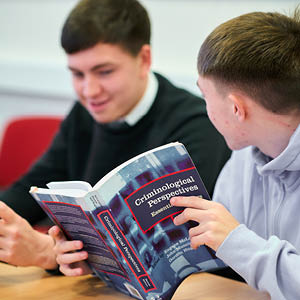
x=263, y=194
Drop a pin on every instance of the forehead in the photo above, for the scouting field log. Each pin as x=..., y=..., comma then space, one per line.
x=101, y=53
x=205, y=84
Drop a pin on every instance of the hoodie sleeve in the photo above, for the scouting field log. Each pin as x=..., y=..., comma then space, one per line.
x=268, y=265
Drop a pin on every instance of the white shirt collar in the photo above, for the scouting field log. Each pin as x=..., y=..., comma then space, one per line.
x=145, y=103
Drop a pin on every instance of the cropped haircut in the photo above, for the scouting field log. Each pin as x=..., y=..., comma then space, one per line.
x=259, y=54
x=120, y=22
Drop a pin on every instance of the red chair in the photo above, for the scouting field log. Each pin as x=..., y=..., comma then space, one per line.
x=24, y=140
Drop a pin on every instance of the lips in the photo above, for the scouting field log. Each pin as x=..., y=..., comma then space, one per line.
x=97, y=106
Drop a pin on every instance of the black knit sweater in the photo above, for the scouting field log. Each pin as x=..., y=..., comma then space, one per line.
x=85, y=150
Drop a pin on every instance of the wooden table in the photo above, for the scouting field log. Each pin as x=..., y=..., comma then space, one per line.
x=17, y=283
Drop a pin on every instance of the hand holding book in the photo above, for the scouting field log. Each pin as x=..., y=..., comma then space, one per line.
x=126, y=223
x=214, y=221
x=69, y=256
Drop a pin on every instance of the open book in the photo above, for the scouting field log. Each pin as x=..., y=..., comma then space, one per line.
x=126, y=222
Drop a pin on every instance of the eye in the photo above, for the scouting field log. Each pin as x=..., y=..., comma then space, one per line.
x=77, y=74
x=105, y=72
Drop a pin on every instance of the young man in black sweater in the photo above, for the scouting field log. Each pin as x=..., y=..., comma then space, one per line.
x=123, y=109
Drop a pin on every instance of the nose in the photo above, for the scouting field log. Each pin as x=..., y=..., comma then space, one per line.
x=91, y=87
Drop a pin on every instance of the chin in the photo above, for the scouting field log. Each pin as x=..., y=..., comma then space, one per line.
x=104, y=120
x=235, y=147
x=232, y=146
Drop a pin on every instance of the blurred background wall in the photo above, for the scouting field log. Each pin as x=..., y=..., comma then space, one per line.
x=33, y=74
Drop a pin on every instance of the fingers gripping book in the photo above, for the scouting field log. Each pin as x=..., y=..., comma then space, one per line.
x=126, y=222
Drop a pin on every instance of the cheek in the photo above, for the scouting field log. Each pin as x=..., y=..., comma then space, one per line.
x=115, y=84
x=77, y=86
x=211, y=114
x=122, y=89
x=218, y=121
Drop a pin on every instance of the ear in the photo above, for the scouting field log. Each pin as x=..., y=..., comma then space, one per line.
x=145, y=60
x=238, y=106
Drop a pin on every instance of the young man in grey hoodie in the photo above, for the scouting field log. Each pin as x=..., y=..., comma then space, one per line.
x=249, y=74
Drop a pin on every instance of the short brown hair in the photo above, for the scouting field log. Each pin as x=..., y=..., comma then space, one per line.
x=121, y=22
x=259, y=54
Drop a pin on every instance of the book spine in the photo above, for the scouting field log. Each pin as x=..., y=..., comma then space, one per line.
x=126, y=251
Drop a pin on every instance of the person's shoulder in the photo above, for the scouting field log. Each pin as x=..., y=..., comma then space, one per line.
x=169, y=87
x=242, y=159
x=178, y=97
x=77, y=111
x=78, y=117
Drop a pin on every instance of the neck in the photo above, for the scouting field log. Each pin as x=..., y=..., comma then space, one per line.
x=142, y=89
x=274, y=133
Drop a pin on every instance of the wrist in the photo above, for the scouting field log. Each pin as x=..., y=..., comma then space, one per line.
x=45, y=256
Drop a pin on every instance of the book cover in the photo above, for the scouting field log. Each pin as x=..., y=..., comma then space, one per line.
x=126, y=222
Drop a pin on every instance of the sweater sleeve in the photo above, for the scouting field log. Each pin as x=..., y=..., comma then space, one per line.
x=268, y=265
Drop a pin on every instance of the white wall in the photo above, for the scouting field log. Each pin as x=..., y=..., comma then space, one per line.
x=33, y=75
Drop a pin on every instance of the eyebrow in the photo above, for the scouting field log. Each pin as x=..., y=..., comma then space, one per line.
x=95, y=68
